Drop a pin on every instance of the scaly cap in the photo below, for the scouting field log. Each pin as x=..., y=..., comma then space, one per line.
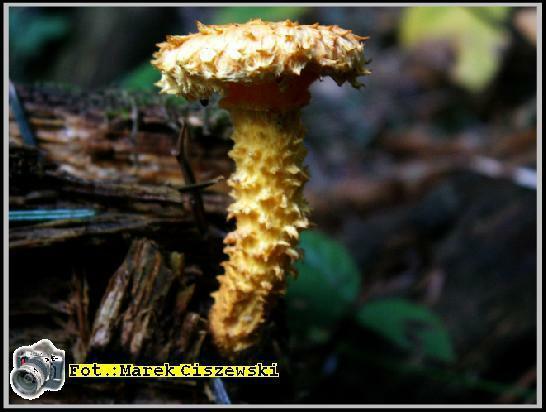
x=197, y=65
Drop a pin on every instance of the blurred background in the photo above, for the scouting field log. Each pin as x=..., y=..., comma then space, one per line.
x=419, y=278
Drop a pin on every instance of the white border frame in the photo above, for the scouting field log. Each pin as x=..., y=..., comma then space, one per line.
x=6, y=355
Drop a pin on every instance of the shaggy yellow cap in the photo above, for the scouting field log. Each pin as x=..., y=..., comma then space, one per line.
x=197, y=65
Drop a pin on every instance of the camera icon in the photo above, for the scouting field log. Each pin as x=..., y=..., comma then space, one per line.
x=37, y=368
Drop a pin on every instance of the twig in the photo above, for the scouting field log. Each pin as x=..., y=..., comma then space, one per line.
x=201, y=185
x=49, y=214
x=520, y=387
x=196, y=200
x=220, y=393
x=20, y=117
x=206, y=117
x=134, y=129
x=522, y=176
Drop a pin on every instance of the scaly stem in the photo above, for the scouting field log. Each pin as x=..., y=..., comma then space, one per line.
x=270, y=209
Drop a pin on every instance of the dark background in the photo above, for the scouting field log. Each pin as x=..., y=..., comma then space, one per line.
x=419, y=283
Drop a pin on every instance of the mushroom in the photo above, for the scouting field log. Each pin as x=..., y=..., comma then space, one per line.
x=263, y=71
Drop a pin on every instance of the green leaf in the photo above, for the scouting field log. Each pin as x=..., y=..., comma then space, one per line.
x=326, y=287
x=476, y=33
x=29, y=32
x=411, y=327
x=141, y=78
x=226, y=15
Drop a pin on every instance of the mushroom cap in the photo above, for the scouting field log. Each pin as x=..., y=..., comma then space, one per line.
x=197, y=65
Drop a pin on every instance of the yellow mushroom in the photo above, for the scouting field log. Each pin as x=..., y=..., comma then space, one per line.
x=263, y=71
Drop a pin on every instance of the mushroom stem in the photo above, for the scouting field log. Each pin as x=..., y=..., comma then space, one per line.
x=263, y=71
x=270, y=210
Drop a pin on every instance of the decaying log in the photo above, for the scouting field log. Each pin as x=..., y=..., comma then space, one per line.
x=144, y=308
x=117, y=137
x=131, y=280
x=91, y=153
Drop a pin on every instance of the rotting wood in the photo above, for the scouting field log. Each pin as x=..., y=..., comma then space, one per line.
x=90, y=155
